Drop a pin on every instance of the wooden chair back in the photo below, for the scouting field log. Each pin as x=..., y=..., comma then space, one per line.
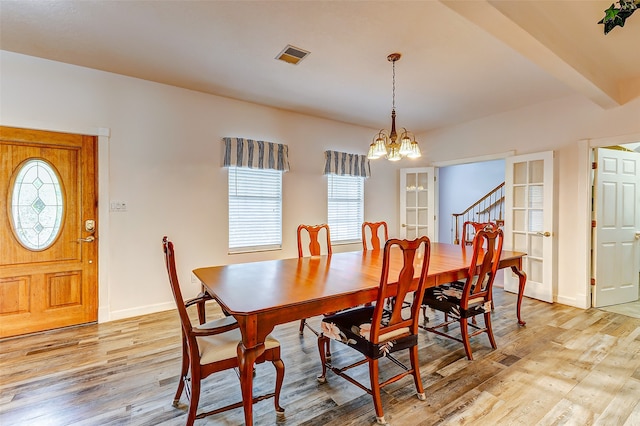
x=470, y=229
x=313, y=232
x=170, y=263
x=374, y=228
x=416, y=254
x=487, y=246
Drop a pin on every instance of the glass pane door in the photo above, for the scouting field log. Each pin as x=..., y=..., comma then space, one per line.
x=529, y=221
x=417, y=203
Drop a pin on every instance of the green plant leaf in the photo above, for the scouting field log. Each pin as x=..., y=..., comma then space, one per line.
x=614, y=17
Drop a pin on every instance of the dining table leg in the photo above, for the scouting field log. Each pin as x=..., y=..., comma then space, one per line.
x=522, y=280
x=246, y=361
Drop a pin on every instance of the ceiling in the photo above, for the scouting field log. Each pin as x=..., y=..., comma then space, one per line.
x=461, y=60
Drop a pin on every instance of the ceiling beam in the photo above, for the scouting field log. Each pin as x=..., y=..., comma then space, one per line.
x=569, y=69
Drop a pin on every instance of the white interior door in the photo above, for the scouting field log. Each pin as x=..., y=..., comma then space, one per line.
x=529, y=221
x=418, y=203
x=616, y=204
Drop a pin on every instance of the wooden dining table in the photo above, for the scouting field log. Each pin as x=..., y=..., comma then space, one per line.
x=261, y=295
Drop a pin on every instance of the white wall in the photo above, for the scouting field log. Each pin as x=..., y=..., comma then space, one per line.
x=163, y=158
x=460, y=186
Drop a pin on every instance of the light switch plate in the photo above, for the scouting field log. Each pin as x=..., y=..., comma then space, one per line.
x=118, y=206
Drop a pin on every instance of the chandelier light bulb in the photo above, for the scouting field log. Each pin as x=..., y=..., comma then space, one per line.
x=405, y=144
x=394, y=155
x=415, y=151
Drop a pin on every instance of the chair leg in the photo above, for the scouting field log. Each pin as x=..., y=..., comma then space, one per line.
x=375, y=391
x=487, y=324
x=464, y=329
x=195, y=397
x=183, y=372
x=302, y=323
x=415, y=366
x=323, y=344
x=279, y=366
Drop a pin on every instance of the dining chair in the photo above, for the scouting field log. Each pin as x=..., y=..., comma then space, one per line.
x=315, y=249
x=212, y=347
x=377, y=336
x=374, y=231
x=467, y=238
x=462, y=300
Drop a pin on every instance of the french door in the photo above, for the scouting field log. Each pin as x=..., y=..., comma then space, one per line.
x=418, y=203
x=48, y=230
x=529, y=223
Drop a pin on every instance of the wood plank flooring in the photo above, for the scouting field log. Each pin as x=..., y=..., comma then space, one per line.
x=566, y=367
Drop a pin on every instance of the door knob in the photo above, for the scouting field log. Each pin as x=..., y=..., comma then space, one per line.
x=89, y=239
x=544, y=234
x=637, y=235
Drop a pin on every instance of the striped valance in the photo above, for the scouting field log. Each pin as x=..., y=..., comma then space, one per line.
x=242, y=152
x=345, y=164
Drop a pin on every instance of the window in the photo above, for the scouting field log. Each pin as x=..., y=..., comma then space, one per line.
x=345, y=207
x=36, y=204
x=255, y=209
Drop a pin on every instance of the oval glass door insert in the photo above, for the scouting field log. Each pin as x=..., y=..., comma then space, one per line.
x=37, y=204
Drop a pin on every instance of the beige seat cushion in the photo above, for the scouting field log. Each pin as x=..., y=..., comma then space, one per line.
x=365, y=331
x=224, y=346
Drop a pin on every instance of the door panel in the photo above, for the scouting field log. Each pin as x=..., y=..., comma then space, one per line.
x=418, y=203
x=529, y=221
x=616, y=268
x=55, y=284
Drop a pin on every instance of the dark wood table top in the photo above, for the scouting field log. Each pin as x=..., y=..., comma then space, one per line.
x=247, y=288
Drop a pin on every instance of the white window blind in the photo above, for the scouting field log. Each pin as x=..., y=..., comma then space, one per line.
x=345, y=207
x=255, y=209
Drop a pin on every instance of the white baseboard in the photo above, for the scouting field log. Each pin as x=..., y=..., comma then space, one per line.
x=530, y=291
x=103, y=314
x=140, y=310
x=577, y=301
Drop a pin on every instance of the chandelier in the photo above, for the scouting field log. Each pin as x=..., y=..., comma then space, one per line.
x=385, y=144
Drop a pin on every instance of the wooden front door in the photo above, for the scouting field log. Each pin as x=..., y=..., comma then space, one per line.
x=48, y=230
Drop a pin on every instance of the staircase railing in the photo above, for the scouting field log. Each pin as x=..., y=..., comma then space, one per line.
x=489, y=208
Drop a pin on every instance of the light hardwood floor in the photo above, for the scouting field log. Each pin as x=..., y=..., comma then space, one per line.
x=567, y=366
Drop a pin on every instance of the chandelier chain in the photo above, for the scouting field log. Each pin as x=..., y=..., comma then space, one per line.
x=393, y=92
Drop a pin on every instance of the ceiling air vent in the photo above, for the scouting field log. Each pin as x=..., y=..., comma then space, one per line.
x=292, y=54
